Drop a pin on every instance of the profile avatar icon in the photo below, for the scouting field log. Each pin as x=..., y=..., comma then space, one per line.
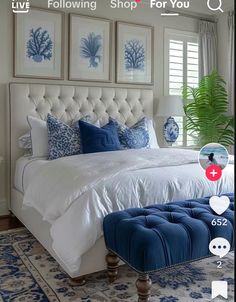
x=213, y=154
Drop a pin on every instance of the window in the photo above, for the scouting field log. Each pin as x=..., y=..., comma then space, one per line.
x=181, y=67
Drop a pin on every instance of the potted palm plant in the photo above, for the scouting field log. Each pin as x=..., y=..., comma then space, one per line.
x=206, y=110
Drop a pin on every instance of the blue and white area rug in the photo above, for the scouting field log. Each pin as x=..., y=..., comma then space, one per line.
x=28, y=273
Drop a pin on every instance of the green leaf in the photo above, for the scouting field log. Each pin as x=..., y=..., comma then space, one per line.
x=206, y=109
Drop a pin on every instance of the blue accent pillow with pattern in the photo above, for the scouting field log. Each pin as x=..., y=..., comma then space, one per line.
x=135, y=137
x=63, y=140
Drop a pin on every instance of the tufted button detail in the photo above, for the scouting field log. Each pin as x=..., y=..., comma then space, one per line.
x=77, y=101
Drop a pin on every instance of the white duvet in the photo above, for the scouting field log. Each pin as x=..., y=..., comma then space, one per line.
x=75, y=193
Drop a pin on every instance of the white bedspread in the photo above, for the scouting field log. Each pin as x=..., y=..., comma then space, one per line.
x=75, y=193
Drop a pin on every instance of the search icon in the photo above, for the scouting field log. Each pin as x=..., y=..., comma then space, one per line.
x=219, y=7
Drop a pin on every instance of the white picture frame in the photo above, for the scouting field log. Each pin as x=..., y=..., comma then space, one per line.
x=134, y=53
x=39, y=43
x=90, y=49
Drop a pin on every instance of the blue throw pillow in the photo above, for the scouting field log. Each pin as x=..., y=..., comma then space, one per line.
x=95, y=139
x=135, y=137
x=62, y=139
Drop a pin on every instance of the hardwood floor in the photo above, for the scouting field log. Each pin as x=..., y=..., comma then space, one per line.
x=9, y=222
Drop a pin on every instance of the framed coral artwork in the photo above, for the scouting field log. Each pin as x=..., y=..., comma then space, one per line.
x=38, y=38
x=90, y=48
x=134, y=53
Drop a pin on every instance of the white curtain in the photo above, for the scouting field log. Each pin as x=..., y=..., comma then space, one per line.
x=231, y=82
x=207, y=47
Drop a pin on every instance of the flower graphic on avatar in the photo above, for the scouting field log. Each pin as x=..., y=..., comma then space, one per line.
x=39, y=46
x=134, y=55
x=91, y=48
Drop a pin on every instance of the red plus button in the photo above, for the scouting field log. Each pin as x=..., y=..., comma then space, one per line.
x=213, y=173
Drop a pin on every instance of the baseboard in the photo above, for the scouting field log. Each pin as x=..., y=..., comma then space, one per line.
x=3, y=208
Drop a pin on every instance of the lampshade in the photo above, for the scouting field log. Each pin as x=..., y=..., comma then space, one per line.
x=171, y=105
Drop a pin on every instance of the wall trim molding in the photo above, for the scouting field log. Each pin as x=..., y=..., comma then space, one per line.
x=3, y=208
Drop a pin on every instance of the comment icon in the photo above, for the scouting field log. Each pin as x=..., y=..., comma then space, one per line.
x=219, y=247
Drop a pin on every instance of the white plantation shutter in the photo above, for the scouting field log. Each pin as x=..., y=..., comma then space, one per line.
x=181, y=66
x=176, y=67
x=192, y=64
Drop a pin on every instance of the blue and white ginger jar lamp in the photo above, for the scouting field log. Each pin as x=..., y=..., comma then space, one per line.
x=171, y=105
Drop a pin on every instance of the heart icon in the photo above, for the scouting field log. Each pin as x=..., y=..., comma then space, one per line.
x=219, y=204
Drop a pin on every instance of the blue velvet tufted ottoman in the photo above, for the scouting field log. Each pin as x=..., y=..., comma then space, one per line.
x=158, y=236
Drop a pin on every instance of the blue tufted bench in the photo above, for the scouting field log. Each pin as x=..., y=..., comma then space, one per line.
x=158, y=236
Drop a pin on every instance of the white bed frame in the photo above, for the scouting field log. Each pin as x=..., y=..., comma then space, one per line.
x=67, y=103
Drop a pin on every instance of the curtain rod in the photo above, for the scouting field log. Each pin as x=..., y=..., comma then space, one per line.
x=190, y=16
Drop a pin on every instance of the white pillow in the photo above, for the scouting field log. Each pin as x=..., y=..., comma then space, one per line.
x=39, y=136
x=152, y=135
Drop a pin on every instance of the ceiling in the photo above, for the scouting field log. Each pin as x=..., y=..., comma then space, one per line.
x=199, y=7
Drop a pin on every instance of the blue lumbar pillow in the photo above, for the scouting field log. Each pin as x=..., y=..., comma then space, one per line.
x=135, y=137
x=62, y=139
x=95, y=139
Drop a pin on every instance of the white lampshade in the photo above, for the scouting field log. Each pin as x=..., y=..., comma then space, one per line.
x=171, y=105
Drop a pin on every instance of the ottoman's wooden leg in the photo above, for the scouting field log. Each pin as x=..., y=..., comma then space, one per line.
x=144, y=284
x=112, y=266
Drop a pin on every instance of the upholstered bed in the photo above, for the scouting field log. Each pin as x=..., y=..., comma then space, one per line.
x=66, y=103
x=133, y=178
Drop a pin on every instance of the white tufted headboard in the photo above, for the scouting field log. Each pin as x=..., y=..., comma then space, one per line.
x=72, y=102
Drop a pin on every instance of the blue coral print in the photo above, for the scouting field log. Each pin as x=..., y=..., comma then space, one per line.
x=39, y=46
x=134, y=55
x=91, y=48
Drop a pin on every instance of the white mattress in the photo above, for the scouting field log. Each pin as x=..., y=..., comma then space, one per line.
x=26, y=167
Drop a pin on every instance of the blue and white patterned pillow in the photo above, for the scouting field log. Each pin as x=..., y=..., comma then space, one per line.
x=63, y=140
x=135, y=137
